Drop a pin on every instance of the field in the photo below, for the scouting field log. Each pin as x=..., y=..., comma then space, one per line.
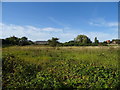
x=46, y=67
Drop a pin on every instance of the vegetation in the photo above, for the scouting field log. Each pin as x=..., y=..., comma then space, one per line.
x=83, y=39
x=80, y=40
x=117, y=40
x=16, y=41
x=53, y=42
x=64, y=67
x=46, y=67
x=96, y=41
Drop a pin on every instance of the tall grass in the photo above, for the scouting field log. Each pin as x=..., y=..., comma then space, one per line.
x=68, y=67
x=99, y=55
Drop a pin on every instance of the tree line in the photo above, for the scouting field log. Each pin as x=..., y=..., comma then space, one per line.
x=16, y=41
x=80, y=40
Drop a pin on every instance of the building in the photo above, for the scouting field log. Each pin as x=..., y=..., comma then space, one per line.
x=108, y=41
x=116, y=41
x=41, y=42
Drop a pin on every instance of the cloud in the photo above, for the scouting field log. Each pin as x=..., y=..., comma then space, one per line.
x=101, y=22
x=56, y=21
x=101, y=35
x=112, y=24
x=33, y=33
x=59, y=22
x=52, y=29
x=36, y=33
x=68, y=36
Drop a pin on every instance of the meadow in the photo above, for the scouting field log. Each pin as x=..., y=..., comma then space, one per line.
x=46, y=67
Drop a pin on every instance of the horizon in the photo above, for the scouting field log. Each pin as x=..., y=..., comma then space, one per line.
x=59, y=39
x=65, y=20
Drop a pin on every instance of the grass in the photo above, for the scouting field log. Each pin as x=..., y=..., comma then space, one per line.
x=61, y=67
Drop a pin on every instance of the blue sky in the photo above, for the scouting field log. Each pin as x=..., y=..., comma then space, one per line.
x=41, y=21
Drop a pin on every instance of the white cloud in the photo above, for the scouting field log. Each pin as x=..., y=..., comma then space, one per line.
x=36, y=33
x=112, y=24
x=52, y=29
x=101, y=35
x=32, y=28
x=68, y=36
x=58, y=22
x=101, y=22
x=33, y=33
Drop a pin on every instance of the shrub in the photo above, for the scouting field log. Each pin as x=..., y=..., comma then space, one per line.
x=16, y=72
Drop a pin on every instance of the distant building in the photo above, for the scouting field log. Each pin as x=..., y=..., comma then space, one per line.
x=41, y=42
x=116, y=41
x=108, y=41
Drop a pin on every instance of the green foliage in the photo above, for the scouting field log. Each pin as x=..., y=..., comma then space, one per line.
x=11, y=40
x=63, y=67
x=73, y=43
x=16, y=41
x=96, y=41
x=82, y=39
x=16, y=72
x=53, y=42
x=103, y=44
x=116, y=40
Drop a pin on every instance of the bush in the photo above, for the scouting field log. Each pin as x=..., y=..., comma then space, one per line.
x=16, y=72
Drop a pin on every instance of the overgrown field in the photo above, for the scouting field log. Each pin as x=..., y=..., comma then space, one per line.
x=46, y=67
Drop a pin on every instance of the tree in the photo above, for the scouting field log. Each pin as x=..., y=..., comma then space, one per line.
x=96, y=41
x=12, y=40
x=23, y=41
x=16, y=41
x=24, y=38
x=85, y=40
x=53, y=42
x=82, y=39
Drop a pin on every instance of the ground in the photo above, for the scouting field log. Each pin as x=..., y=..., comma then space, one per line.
x=60, y=67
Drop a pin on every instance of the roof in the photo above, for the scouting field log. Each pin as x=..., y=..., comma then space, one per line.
x=41, y=42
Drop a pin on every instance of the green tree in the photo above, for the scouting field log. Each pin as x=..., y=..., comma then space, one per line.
x=85, y=40
x=96, y=41
x=23, y=41
x=53, y=42
x=16, y=41
x=12, y=40
x=82, y=39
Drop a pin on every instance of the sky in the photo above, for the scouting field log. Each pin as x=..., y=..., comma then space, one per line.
x=64, y=20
